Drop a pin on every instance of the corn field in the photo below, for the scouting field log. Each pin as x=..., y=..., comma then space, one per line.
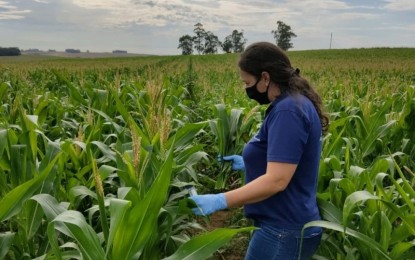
x=95, y=154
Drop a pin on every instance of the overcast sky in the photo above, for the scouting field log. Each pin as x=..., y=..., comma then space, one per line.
x=155, y=26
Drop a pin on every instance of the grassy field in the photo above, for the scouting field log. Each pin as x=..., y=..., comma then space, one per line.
x=95, y=154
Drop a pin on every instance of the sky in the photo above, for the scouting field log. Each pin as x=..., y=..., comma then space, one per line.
x=155, y=26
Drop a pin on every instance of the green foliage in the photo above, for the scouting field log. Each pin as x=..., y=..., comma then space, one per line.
x=206, y=42
x=186, y=44
x=232, y=130
x=211, y=241
x=234, y=42
x=283, y=35
x=95, y=154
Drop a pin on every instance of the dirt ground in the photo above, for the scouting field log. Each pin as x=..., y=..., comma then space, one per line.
x=236, y=248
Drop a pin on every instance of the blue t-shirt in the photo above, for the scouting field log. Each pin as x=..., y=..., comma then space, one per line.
x=291, y=133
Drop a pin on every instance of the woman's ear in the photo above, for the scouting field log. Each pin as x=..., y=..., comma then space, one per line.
x=266, y=77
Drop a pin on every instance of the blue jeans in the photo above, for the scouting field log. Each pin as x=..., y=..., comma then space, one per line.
x=270, y=243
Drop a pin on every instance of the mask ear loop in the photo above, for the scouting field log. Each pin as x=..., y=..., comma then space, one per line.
x=256, y=82
x=267, y=85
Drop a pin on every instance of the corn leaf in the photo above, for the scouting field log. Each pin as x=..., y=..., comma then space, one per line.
x=6, y=240
x=203, y=246
x=136, y=227
x=118, y=209
x=72, y=223
x=329, y=212
x=3, y=141
x=401, y=248
x=354, y=200
x=51, y=207
x=12, y=202
x=369, y=242
x=185, y=134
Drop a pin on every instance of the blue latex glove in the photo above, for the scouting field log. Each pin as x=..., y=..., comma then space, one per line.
x=209, y=203
x=237, y=162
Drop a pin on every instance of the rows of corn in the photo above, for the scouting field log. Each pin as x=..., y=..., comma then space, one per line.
x=95, y=154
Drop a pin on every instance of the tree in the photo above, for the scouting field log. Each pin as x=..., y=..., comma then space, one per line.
x=211, y=43
x=199, y=38
x=186, y=44
x=10, y=51
x=234, y=42
x=227, y=44
x=283, y=35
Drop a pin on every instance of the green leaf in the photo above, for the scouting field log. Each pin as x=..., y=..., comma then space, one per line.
x=4, y=87
x=118, y=209
x=408, y=219
x=369, y=242
x=185, y=135
x=78, y=193
x=3, y=141
x=385, y=230
x=108, y=153
x=186, y=205
x=75, y=95
x=31, y=208
x=50, y=205
x=6, y=240
x=329, y=212
x=203, y=246
x=122, y=109
x=138, y=223
x=72, y=223
x=354, y=200
x=401, y=248
x=12, y=202
x=18, y=163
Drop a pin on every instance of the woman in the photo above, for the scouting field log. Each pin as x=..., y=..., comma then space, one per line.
x=281, y=161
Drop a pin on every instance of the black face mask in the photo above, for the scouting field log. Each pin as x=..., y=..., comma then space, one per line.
x=253, y=93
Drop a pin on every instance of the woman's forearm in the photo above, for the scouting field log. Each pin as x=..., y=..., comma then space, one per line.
x=257, y=190
x=276, y=179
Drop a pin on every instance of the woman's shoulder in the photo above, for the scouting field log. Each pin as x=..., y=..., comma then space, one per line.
x=293, y=102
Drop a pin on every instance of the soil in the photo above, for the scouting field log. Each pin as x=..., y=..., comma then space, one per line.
x=236, y=248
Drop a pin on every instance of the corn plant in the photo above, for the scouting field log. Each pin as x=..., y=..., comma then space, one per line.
x=84, y=145
x=368, y=205
x=232, y=130
x=374, y=212
x=114, y=164
x=23, y=218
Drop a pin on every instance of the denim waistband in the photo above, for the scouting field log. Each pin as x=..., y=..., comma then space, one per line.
x=259, y=223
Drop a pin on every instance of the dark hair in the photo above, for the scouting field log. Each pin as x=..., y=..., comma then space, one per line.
x=264, y=56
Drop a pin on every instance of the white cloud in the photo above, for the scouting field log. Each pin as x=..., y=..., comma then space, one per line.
x=212, y=14
x=11, y=12
x=118, y=13
x=156, y=25
x=400, y=5
x=353, y=16
x=309, y=5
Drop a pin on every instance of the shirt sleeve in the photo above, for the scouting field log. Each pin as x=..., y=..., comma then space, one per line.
x=288, y=132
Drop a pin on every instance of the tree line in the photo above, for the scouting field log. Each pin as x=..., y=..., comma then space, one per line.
x=10, y=51
x=205, y=42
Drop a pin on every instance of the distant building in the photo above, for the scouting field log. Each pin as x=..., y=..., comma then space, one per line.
x=33, y=50
x=119, y=52
x=72, y=51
